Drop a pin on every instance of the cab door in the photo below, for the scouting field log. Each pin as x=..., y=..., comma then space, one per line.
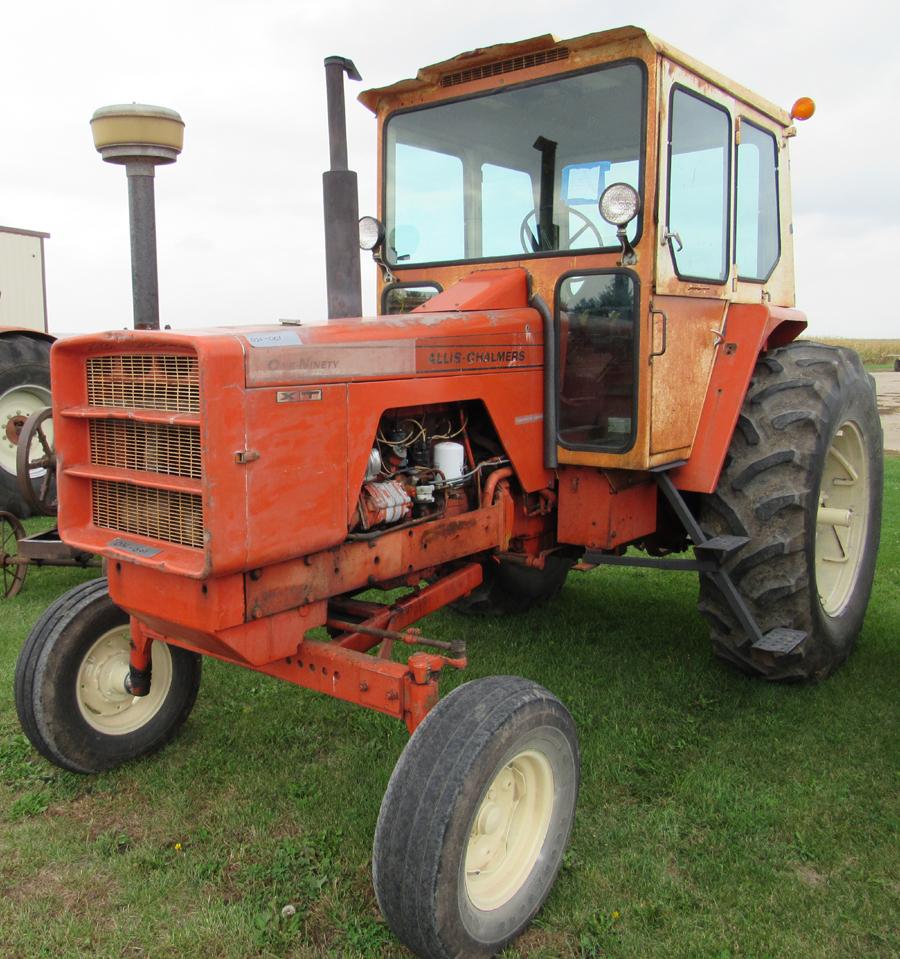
x=693, y=263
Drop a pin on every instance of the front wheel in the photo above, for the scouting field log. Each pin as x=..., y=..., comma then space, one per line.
x=70, y=685
x=476, y=818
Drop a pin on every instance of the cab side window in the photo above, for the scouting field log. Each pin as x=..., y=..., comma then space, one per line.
x=757, y=245
x=699, y=172
x=597, y=324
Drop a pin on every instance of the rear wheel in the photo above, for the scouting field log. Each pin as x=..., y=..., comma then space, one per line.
x=803, y=480
x=24, y=389
x=476, y=818
x=70, y=685
x=510, y=588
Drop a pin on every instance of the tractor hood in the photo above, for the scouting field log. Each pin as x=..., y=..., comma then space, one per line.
x=482, y=323
x=214, y=451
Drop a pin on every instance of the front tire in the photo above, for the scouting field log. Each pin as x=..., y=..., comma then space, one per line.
x=803, y=480
x=69, y=685
x=476, y=818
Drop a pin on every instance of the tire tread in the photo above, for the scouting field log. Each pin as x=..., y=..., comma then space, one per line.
x=766, y=492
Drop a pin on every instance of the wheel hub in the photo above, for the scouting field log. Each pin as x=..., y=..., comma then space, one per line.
x=508, y=830
x=14, y=427
x=16, y=405
x=102, y=696
x=842, y=518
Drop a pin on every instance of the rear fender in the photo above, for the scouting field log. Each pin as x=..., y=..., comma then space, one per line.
x=750, y=329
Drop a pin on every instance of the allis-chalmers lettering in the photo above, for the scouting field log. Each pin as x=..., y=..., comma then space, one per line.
x=477, y=358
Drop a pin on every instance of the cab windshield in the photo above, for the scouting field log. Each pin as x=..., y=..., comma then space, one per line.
x=516, y=172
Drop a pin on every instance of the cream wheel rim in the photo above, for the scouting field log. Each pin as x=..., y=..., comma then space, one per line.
x=842, y=518
x=509, y=830
x=16, y=405
x=103, y=701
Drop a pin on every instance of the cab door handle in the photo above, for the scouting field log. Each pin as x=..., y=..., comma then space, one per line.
x=665, y=334
x=668, y=236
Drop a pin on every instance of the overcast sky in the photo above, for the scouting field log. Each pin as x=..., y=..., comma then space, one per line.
x=239, y=217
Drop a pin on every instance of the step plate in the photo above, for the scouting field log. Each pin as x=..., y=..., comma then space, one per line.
x=780, y=641
x=722, y=545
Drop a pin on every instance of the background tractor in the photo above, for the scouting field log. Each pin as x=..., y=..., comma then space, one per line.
x=24, y=357
x=584, y=355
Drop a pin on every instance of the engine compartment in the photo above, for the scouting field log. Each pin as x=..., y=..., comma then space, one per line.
x=427, y=463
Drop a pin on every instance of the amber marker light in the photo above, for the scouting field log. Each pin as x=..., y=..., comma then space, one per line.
x=803, y=109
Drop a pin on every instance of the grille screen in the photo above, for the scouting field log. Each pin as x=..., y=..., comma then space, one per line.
x=145, y=382
x=148, y=447
x=161, y=514
x=505, y=66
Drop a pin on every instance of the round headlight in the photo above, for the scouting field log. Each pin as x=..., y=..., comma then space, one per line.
x=371, y=233
x=619, y=204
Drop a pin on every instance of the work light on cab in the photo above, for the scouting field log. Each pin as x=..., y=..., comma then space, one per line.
x=619, y=204
x=371, y=233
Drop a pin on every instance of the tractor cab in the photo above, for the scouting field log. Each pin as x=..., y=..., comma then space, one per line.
x=645, y=194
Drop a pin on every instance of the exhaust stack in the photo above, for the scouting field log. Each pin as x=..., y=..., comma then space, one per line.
x=341, y=201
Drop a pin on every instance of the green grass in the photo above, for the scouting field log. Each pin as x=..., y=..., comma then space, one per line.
x=719, y=817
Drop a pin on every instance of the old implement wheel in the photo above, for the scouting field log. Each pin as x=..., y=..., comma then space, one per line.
x=70, y=685
x=36, y=463
x=476, y=818
x=24, y=389
x=803, y=480
x=510, y=588
x=14, y=572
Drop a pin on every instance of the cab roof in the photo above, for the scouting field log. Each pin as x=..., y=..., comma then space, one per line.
x=507, y=57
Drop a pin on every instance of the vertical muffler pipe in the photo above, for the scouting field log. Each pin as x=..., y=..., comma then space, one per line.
x=140, y=137
x=341, y=200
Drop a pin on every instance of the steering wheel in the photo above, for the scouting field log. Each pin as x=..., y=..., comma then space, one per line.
x=528, y=238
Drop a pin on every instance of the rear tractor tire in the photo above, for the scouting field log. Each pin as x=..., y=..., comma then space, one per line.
x=476, y=818
x=510, y=588
x=24, y=389
x=803, y=480
x=70, y=685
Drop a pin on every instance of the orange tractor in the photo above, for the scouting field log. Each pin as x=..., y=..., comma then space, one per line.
x=585, y=354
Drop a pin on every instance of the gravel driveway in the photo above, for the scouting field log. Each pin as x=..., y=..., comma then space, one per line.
x=888, y=385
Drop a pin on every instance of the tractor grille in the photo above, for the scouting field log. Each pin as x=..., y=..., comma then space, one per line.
x=148, y=447
x=164, y=383
x=537, y=59
x=145, y=382
x=158, y=513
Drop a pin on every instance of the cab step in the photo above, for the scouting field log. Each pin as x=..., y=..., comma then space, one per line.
x=780, y=641
x=721, y=546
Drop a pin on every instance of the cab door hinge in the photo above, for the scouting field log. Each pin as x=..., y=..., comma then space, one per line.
x=242, y=457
